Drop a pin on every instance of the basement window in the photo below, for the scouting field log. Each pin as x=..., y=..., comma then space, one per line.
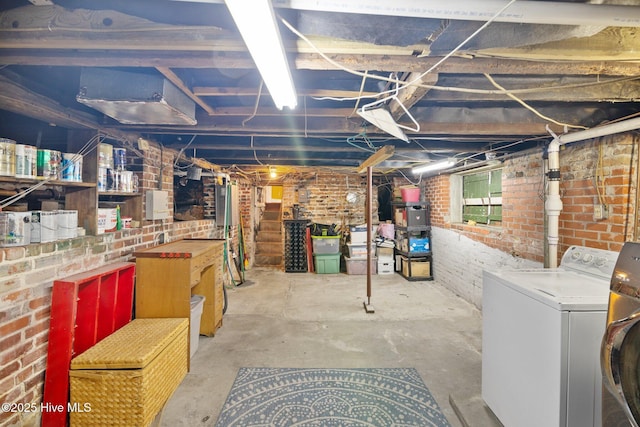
x=477, y=197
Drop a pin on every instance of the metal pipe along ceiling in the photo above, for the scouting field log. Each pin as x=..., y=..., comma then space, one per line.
x=524, y=12
x=521, y=12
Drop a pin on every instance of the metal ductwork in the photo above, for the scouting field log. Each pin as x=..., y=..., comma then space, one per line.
x=135, y=98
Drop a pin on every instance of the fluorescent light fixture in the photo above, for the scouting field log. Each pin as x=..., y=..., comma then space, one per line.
x=430, y=167
x=381, y=118
x=257, y=24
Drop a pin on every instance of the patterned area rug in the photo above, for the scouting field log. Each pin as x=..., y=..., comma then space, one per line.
x=268, y=397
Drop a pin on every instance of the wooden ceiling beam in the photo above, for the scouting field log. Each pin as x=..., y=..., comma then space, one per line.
x=334, y=127
x=413, y=93
x=335, y=147
x=379, y=156
x=19, y=100
x=173, y=78
x=236, y=60
x=252, y=91
x=274, y=112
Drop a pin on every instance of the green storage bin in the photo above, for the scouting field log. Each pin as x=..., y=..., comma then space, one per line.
x=327, y=263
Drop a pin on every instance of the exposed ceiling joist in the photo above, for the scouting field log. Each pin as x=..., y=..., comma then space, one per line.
x=413, y=93
x=249, y=91
x=173, y=78
x=574, y=73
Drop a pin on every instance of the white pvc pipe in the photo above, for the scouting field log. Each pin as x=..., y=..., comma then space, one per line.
x=522, y=11
x=532, y=12
x=553, y=204
x=625, y=126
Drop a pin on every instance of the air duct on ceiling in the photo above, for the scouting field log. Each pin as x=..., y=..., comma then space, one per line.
x=135, y=98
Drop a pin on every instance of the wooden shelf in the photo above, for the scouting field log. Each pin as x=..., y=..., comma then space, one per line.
x=117, y=193
x=14, y=180
x=84, y=196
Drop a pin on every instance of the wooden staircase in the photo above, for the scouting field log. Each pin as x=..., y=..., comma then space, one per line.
x=269, y=238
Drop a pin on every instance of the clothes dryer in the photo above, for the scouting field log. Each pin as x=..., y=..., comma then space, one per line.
x=620, y=351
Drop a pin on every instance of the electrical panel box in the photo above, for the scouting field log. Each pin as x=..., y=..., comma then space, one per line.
x=157, y=205
x=220, y=193
x=223, y=198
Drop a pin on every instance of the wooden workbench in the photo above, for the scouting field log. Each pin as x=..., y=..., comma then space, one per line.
x=167, y=275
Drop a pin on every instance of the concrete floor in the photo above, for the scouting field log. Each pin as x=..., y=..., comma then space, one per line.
x=299, y=320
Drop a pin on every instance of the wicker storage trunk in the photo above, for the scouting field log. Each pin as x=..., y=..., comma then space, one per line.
x=125, y=379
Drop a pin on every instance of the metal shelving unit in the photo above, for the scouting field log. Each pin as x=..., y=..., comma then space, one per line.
x=413, y=240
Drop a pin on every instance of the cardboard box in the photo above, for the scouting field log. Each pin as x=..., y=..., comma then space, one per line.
x=419, y=244
x=386, y=266
x=358, y=234
x=419, y=268
x=384, y=253
x=107, y=219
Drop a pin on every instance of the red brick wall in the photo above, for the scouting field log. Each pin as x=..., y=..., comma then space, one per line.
x=26, y=277
x=618, y=169
x=437, y=193
x=327, y=198
x=522, y=231
x=27, y=274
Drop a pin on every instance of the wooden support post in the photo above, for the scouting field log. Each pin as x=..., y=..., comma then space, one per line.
x=379, y=156
x=367, y=305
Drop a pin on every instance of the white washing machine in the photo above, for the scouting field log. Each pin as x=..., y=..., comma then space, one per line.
x=542, y=330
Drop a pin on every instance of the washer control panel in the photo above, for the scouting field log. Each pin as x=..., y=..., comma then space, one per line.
x=596, y=262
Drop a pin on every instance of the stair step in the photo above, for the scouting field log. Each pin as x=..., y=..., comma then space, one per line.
x=271, y=216
x=269, y=248
x=269, y=236
x=268, y=260
x=270, y=226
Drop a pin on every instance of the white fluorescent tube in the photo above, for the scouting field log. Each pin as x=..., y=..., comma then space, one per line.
x=430, y=167
x=257, y=24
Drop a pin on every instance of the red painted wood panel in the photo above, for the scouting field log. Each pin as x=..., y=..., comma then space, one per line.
x=85, y=308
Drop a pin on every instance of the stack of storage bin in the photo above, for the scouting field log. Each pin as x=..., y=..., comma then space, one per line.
x=385, y=244
x=386, y=260
x=356, y=262
x=326, y=254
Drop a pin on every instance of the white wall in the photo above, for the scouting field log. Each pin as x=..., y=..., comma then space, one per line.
x=459, y=262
